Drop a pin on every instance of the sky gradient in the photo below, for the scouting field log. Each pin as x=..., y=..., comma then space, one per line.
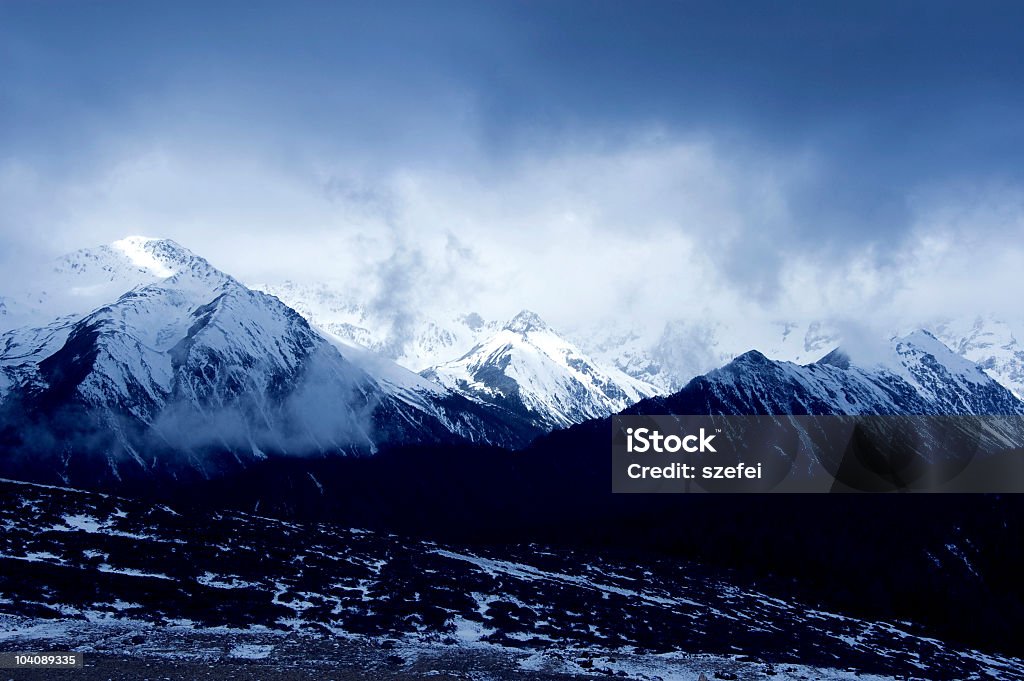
x=803, y=159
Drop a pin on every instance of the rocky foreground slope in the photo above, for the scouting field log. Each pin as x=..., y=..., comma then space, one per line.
x=121, y=579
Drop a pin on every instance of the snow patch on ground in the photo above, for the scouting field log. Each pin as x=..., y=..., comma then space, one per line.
x=251, y=651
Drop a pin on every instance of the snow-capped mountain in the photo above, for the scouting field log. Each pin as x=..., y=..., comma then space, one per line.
x=528, y=368
x=81, y=281
x=991, y=343
x=185, y=364
x=551, y=381
x=141, y=348
x=915, y=374
x=669, y=356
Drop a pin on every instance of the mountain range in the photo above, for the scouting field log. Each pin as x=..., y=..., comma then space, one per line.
x=152, y=359
x=913, y=375
x=140, y=357
x=662, y=358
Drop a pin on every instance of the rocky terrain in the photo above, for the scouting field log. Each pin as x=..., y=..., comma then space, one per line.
x=137, y=584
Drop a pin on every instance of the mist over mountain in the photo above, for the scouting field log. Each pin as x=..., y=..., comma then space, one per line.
x=416, y=339
x=662, y=355
x=182, y=370
x=140, y=358
x=991, y=343
x=915, y=374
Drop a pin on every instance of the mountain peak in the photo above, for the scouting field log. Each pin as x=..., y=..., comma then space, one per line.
x=924, y=339
x=130, y=261
x=166, y=259
x=752, y=357
x=140, y=252
x=543, y=377
x=837, y=358
x=526, y=321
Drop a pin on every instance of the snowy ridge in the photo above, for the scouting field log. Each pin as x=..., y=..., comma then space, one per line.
x=140, y=252
x=81, y=281
x=142, y=287
x=663, y=356
x=991, y=343
x=186, y=359
x=915, y=374
x=670, y=355
x=529, y=367
x=551, y=382
x=475, y=422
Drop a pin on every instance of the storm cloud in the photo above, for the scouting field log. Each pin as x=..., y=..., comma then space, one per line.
x=581, y=160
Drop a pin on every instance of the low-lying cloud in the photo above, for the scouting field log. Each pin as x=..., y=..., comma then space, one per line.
x=658, y=227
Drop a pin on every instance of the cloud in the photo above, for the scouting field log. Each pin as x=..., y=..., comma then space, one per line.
x=680, y=161
x=647, y=228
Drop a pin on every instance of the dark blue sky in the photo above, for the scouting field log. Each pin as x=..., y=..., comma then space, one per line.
x=930, y=88
x=886, y=102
